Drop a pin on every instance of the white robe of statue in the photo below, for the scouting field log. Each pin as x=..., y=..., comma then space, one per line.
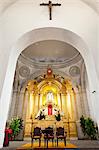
x=45, y=111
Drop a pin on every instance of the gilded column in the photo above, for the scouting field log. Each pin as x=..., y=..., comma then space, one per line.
x=69, y=109
x=38, y=101
x=58, y=98
x=61, y=101
x=33, y=110
x=31, y=105
x=64, y=103
x=66, y=107
x=41, y=99
x=74, y=111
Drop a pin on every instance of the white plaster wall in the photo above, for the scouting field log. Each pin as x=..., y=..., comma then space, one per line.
x=97, y=60
x=25, y=16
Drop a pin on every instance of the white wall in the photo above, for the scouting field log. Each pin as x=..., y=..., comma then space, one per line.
x=25, y=16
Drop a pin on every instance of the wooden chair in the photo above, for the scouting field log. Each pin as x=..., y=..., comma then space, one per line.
x=36, y=135
x=48, y=135
x=60, y=134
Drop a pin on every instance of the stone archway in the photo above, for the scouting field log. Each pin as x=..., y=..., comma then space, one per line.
x=44, y=34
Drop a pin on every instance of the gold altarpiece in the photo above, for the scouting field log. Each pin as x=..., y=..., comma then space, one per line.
x=57, y=92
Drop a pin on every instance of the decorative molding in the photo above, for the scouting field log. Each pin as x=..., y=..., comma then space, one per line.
x=54, y=62
x=24, y=71
x=74, y=71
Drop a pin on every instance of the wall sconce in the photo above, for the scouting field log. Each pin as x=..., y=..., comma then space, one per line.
x=93, y=92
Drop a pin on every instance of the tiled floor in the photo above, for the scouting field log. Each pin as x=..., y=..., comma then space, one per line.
x=82, y=144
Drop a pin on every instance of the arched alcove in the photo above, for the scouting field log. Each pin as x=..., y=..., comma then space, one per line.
x=44, y=34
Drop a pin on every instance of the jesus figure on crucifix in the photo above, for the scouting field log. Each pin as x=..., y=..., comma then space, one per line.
x=50, y=4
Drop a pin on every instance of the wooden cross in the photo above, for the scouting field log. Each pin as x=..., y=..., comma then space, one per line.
x=50, y=4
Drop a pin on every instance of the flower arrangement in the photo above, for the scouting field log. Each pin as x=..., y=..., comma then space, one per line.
x=89, y=128
x=16, y=124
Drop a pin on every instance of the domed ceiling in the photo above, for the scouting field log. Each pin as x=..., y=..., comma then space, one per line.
x=50, y=52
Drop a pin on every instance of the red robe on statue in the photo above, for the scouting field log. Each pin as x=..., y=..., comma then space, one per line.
x=49, y=109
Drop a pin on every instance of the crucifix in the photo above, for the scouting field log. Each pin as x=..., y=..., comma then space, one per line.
x=50, y=5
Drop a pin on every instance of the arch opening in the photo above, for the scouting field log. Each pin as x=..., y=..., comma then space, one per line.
x=30, y=38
